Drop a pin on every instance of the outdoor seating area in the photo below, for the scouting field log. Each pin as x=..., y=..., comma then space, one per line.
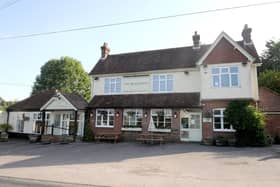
x=107, y=136
x=151, y=138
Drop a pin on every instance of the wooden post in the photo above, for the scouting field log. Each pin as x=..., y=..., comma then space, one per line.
x=43, y=121
x=8, y=116
x=76, y=124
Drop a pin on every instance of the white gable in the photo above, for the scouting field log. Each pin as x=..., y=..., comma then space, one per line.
x=58, y=103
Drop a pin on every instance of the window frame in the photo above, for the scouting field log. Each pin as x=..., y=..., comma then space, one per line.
x=229, y=73
x=138, y=113
x=112, y=85
x=108, y=118
x=165, y=80
x=154, y=127
x=221, y=116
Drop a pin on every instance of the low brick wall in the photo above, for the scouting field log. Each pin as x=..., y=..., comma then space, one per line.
x=273, y=124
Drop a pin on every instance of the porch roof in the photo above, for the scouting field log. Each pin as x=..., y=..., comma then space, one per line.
x=37, y=101
x=167, y=100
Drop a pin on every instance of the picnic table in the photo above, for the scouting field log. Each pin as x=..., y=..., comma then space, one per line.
x=107, y=136
x=151, y=138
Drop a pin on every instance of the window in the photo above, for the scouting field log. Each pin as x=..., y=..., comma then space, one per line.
x=223, y=77
x=219, y=121
x=161, y=119
x=20, y=125
x=162, y=83
x=132, y=118
x=105, y=117
x=112, y=85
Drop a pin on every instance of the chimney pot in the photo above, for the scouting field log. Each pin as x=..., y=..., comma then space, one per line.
x=246, y=34
x=105, y=50
x=196, y=40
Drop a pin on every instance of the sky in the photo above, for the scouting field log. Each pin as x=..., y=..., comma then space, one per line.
x=21, y=59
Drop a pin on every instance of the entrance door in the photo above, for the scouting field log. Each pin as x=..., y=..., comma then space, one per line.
x=190, y=127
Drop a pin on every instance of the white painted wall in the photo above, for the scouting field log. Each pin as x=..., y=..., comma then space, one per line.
x=29, y=125
x=3, y=117
x=247, y=80
x=58, y=104
x=183, y=82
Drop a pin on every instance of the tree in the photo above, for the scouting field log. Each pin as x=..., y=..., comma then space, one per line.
x=248, y=122
x=270, y=79
x=65, y=74
x=271, y=56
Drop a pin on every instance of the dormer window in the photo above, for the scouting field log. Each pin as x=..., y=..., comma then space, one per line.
x=225, y=77
x=112, y=85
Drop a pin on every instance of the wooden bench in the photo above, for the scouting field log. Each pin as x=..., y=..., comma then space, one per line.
x=107, y=136
x=151, y=138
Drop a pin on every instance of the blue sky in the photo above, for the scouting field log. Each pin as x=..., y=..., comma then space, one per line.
x=21, y=59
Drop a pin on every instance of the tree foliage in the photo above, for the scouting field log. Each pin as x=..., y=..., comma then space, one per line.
x=270, y=79
x=65, y=74
x=271, y=56
x=248, y=122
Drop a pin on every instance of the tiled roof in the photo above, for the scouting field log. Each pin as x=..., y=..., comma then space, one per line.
x=173, y=58
x=269, y=100
x=36, y=101
x=167, y=100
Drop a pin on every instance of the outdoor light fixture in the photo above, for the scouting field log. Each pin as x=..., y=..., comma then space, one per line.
x=145, y=115
x=117, y=114
x=244, y=63
x=91, y=114
x=175, y=115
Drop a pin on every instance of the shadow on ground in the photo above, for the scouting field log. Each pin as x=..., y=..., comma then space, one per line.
x=88, y=153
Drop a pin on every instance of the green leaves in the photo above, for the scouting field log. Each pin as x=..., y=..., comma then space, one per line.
x=65, y=74
x=271, y=56
x=270, y=79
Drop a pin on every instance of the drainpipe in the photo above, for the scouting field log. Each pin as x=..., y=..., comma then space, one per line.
x=8, y=116
x=43, y=119
x=76, y=125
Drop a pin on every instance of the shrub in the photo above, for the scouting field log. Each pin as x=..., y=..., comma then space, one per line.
x=5, y=127
x=88, y=134
x=248, y=122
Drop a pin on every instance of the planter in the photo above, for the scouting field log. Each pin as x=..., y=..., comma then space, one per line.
x=208, y=141
x=221, y=141
x=4, y=136
x=232, y=142
x=33, y=138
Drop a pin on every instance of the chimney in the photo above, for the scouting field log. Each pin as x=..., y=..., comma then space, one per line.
x=246, y=34
x=196, y=40
x=105, y=50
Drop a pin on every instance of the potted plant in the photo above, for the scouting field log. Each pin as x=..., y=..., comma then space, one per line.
x=221, y=141
x=4, y=128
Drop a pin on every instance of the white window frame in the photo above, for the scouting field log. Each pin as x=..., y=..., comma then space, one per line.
x=222, y=129
x=227, y=73
x=138, y=113
x=166, y=111
x=165, y=80
x=108, y=118
x=112, y=85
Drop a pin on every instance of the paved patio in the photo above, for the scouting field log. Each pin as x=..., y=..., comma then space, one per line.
x=133, y=164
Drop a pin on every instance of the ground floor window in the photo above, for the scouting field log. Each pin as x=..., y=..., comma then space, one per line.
x=219, y=121
x=20, y=125
x=161, y=118
x=132, y=118
x=105, y=117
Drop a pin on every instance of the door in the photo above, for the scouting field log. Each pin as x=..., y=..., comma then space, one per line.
x=190, y=127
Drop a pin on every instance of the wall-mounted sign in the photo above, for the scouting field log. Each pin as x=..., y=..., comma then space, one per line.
x=136, y=84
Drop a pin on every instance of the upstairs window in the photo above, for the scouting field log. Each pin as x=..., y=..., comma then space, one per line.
x=225, y=77
x=162, y=83
x=112, y=85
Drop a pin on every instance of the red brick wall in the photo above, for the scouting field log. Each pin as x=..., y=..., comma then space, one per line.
x=207, y=127
x=273, y=124
x=224, y=52
x=131, y=135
